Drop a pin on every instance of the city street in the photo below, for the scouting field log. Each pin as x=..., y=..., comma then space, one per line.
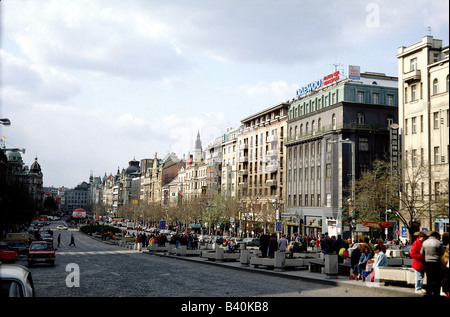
x=111, y=271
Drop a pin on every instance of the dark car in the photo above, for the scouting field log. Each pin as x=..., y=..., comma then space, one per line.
x=405, y=252
x=41, y=252
x=19, y=246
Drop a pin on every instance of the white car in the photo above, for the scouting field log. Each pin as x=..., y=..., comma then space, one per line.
x=16, y=281
x=61, y=227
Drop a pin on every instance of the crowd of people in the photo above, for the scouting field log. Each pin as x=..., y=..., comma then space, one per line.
x=430, y=257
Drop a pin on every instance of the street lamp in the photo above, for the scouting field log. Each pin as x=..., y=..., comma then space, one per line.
x=353, y=169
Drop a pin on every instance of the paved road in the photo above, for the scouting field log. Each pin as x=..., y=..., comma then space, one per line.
x=111, y=271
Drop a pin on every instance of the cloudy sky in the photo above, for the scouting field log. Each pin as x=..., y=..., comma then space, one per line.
x=90, y=84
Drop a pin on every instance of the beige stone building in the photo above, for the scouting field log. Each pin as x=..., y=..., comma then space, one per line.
x=261, y=163
x=423, y=73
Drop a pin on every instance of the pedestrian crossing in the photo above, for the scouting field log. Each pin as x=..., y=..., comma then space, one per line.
x=96, y=252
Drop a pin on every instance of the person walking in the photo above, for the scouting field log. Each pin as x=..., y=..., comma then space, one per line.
x=72, y=240
x=59, y=239
x=418, y=262
x=433, y=249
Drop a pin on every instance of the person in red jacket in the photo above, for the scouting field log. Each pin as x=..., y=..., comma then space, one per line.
x=418, y=262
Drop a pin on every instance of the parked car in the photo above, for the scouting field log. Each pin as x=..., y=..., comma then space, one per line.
x=252, y=242
x=41, y=252
x=18, y=236
x=19, y=246
x=7, y=254
x=47, y=237
x=405, y=252
x=16, y=281
x=61, y=227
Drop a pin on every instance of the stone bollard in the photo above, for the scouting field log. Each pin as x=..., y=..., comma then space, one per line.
x=245, y=257
x=219, y=255
x=139, y=246
x=331, y=269
x=242, y=246
x=280, y=261
x=183, y=250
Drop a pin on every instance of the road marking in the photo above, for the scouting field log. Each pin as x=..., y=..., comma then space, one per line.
x=95, y=252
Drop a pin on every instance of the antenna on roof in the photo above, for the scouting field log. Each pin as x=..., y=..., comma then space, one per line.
x=429, y=30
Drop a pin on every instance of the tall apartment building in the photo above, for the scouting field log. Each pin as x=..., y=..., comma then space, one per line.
x=423, y=70
x=229, y=162
x=339, y=124
x=261, y=163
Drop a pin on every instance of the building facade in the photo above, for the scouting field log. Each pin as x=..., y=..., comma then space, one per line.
x=333, y=134
x=423, y=86
x=261, y=160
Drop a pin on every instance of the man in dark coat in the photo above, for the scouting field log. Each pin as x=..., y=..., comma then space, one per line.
x=264, y=244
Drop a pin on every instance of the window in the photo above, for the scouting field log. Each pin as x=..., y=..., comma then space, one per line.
x=436, y=120
x=413, y=92
x=328, y=171
x=447, y=85
x=319, y=124
x=413, y=64
x=333, y=122
x=413, y=125
x=363, y=144
x=436, y=190
x=435, y=86
x=390, y=100
x=421, y=123
x=360, y=118
x=406, y=126
x=436, y=155
x=390, y=121
x=361, y=96
x=375, y=98
x=414, y=157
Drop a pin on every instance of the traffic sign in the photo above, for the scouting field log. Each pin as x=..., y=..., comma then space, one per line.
x=162, y=224
x=278, y=226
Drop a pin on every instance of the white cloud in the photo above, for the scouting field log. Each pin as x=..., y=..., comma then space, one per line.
x=92, y=84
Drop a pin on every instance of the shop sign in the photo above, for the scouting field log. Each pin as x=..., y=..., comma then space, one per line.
x=326, y=80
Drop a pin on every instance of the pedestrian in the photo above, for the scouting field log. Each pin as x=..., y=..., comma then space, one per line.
x=445, y=272
x=432, y=249
x=264, y=244
x=326, y=244
x=418, y=262
x=282, y=243
x=59, y=239
x=72, y=240
x=273, y=245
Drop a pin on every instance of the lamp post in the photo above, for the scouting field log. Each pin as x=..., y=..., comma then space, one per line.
x=352, y=143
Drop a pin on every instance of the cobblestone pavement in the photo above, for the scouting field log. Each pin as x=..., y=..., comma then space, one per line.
x=111, y=271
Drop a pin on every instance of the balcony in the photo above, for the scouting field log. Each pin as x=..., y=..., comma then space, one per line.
x=243, y=159
x=243, y=185
x=271, y=168
x=272, y=138
x=271, y=182
x=243, y=146
x=271, y=153
x=411, y=76
x=243, y=171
